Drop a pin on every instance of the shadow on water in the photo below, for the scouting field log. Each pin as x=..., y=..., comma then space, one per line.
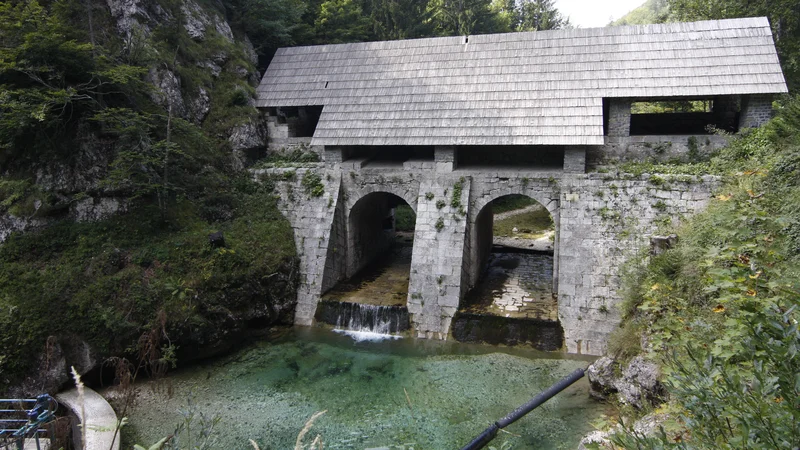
x=515, y=284
x=383, y=282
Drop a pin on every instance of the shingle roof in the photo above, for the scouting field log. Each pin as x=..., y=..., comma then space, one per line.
x=534, y=88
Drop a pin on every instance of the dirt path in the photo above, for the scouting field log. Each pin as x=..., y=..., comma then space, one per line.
x=543, y=244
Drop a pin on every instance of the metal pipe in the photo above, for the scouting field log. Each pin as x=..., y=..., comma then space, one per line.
x=489, y=434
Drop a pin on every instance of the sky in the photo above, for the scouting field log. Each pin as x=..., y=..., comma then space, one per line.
x=595, y=13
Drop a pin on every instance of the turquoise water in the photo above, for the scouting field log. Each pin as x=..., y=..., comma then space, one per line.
x=267, y=391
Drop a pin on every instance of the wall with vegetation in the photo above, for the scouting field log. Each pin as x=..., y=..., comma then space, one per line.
x=718, y=311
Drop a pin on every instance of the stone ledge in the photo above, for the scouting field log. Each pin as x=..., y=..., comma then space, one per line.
x=100, y=421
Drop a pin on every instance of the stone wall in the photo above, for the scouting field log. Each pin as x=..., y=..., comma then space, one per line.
x=756, y=110
x=654, y=148
x=600, y=219
x=605, y=219
x=312, y=220
x=619, y=117
x=438, y=261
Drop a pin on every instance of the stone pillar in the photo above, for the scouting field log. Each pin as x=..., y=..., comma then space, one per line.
x=446, y=157
x=756, y=111
x=318, y=237
x=619, y=117
x=335, y=154
x=437, y=263
x=575, y=160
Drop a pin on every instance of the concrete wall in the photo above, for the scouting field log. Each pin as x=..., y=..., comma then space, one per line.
x=601, y=220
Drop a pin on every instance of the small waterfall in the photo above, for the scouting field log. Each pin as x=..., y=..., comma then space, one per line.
x=364, y=322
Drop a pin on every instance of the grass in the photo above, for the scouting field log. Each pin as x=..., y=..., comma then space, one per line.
x=404, y=218
x=530, y=225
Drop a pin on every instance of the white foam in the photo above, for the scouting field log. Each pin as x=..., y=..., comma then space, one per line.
x=371, y=336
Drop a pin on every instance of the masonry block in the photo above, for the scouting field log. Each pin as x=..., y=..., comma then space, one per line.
x=756, y=110
x=575, y=160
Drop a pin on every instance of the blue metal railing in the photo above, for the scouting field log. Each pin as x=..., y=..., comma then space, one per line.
x=23, y=419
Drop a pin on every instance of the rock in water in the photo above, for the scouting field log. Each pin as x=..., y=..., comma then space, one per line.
x=638, y=384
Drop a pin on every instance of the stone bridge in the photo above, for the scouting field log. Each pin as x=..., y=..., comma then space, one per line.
x=450, y=124
x=600, y=219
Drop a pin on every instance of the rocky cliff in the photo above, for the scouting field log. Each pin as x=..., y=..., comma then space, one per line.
x=198, y=68
x=127, y=225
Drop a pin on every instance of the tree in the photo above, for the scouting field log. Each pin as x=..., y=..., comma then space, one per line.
x=398, y=19
x=270, y=24
x=462, y=17
x=652, y=11
x=341, y=21
x=50, y=82
x=540, y=15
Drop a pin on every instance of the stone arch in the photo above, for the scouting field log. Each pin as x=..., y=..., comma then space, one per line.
x=356, y=195
x=481, y=224
x=367, y=235
x=547, y=199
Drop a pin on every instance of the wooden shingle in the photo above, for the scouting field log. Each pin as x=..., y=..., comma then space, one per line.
x=534, y=88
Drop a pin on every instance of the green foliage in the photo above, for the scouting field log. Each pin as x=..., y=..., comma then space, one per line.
x=51, y=82
x=720, y=309
x=440, y=204
x=652, y=11
x=540, y=15
x=270, y=24
x=458, y=187
x=439, y=224
x=694, y=151
x=341, y=21
x=399, y=19
x=404, y=218
x=109, y=279
x=670, y=106
x=312, y=184
x=296, y=158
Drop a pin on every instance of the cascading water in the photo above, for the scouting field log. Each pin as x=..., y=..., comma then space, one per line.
x=364, y=322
